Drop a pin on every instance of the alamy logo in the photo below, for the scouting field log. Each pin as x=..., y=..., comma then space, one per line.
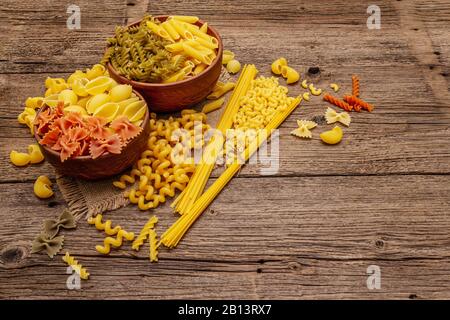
x=374, y=278
x=73, y=282
x=374, y=20
x=74, y=20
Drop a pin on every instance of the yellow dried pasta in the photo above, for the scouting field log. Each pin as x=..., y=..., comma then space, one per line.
x=114, y=242
x=139, y=241
x=303, y=130
x=43, y=187
x=220, y=89
x=106, y=226
x=76, y=266
x=278, y=64
x=153, y=246
x=331, y=116
x=212, y=106
x=233, y=66
x=290, y=74
x=19, y=159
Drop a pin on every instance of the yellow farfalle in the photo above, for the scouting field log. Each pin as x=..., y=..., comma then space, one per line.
x=303, y=130
x=332, y=116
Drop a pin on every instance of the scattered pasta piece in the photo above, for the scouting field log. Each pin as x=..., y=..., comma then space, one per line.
x=43, y=187
x=233, y=66
x=314, y=91
x=337, y=102
x=355, y=86
x=332, y=116
x=106, y=226
x=227, y=56
x=303, y=130
x=77, y=267
x=335, y=87
x=305, y=96
x=51, y=245
x=212, y=106
x=114, y=242
x=278, y=64
x=220, y=89
x=66, y=220
x=332, y=136
x=139, y=241
x=19, y=159
x=153, y=246
x=305, y=84
x=290, y=74
x=35, y=153
x=358, y=103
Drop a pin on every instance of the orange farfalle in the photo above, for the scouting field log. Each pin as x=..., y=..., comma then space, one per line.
x=68, y=147
x=125, y=129
x=74, y=118
x=43, y=121
x=111, y=144
x=51, y=137
x=77, y=133
x=96, y=127
x=62, y=123
x=58, y=112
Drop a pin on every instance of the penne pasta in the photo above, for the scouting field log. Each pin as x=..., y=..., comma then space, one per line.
x=158, y=30
x=199, y=68
x=181, y=29
x=196, y=54
x=188, y=19
x=204, y=27
x=175, y=47
x=213, y=105
x=205, y=43
x=170, y=30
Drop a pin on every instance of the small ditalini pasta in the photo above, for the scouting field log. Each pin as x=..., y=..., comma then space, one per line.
x=314, y=91
x=214, y=105
x=278, y=64
x=43, y=187
x=114, y=242
x=303, y=130
x=290, y=74
x=19, y=159
x=220, y=89
x=227, y=56
x=233, y=66
x=332, y=136
x=335, y=87
x=331, y=116
x=35, y=154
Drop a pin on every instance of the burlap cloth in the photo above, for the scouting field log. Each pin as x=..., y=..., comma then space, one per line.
x=89, y=198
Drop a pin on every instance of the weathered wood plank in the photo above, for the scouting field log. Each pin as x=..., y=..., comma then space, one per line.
x=316, y=246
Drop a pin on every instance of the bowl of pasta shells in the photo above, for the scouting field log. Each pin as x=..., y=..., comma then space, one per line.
x=173, y=61
x=89, y=126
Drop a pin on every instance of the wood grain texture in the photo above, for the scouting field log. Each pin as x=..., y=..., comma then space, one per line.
x=310, y=231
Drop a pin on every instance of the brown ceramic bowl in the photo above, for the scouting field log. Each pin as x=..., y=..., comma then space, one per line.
x=171, y=97
x=104, y=166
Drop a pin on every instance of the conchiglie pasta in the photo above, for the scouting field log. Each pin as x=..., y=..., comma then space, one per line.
x=98, y=85
x=96, y=101
x=108, y=111
x=35, y=154
x=135, y=111
x=79, y=87
x=76, y=108
x=233, y=66
x=120, y=92
x=68, y=96
x=96, y=71
x=34, y=103
x=290, y=74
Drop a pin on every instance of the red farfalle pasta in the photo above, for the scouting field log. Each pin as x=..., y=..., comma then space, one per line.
x=96, y=127
x=75, y=119
x=68, y=147
x=43, y=121
x=78, y=133
x=62, y=124
x=354, y=101
x=337, y=102
x=111, y=144
x=125, y=129
x=355, y=86
x=51, y=137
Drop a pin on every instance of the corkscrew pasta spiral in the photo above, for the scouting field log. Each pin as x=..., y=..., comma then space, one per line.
x=355, y=86
x=114, y=242
x=106, y=226
x=337, y=102
x=139, y=241
x=76, y=266
x=354, y=101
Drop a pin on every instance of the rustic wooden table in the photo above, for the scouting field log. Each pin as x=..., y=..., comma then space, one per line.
x=381, y=197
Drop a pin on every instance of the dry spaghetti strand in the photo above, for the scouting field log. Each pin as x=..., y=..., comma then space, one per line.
x=354, y=101
x=337, y=102
x=355, y=86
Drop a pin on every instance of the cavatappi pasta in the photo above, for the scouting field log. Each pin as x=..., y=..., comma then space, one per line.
x=165, y=166
x=161, y=52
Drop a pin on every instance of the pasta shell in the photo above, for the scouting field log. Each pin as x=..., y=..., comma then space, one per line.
x=108, y=111
x=96, y=71
x=135, y=111
x=76, y=108
x=123, y=104
x=68, y=96
x=98, y=85
x=120, y=92
x=75, y=76
x=51, y=100
x=79, y=87
x=83, y=101
x=96, y=101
